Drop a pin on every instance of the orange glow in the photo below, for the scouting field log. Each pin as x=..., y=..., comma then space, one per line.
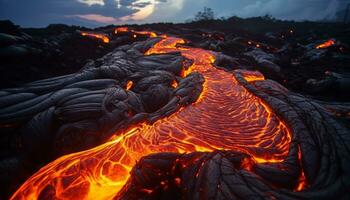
x=174, y=84
x=129, y=85
x=302, y=179
x=177, y=181
x=103, y=37
x=326, y=44
x=302, y=183
x=121, y=30
x=251, y=76
x=247, y=164
x=226, y=117
x=126, y=29
x=147, y=191
x=150, y=34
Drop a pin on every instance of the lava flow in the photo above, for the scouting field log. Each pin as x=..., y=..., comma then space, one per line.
x=126, y=30
x=225, y=117
x=326, y=44
x=104, y=38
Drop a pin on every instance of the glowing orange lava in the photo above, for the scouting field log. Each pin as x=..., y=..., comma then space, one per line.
x=226, y=117
x=121, y=30
x=129, y=85
x=174, y=84
x=126, y=29
x=251, y=76
x=302, y=183
x=104, y=38
x=326, y=44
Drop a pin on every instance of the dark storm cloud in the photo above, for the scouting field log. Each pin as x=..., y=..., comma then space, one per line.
x=283, y=9
x=98, y=12
x=43, y=12
x=292, y=9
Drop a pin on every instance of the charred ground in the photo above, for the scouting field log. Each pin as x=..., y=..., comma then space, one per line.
x=60, y=49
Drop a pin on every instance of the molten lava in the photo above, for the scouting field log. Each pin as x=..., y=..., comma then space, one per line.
x=135, y=33
x=121, y=30
x=251, y=76
x=226, y=117
x=103, y=37
x=326, y=44
x=129, y=85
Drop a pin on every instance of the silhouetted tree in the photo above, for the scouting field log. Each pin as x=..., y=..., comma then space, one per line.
x=206, y=14
x=268, y=17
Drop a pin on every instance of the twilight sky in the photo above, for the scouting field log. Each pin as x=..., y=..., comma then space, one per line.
x=40, y=13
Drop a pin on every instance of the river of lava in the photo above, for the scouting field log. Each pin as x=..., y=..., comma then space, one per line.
x=225, y=117
x=102, y=37
x=326, y=44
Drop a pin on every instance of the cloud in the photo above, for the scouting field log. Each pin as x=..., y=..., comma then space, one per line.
x=283, y=9
x=38, y=13
x=92, y=2
x=97, y=18
x=291, y=9
x=143, y=9
x=171, y=11
x=139, y=10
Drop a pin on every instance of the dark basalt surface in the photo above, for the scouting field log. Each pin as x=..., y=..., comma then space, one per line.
x=84, y=100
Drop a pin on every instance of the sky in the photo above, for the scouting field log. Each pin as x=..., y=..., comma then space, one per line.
x=93, y=13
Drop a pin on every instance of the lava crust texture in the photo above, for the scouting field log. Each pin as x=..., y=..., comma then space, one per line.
x=160, y=120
